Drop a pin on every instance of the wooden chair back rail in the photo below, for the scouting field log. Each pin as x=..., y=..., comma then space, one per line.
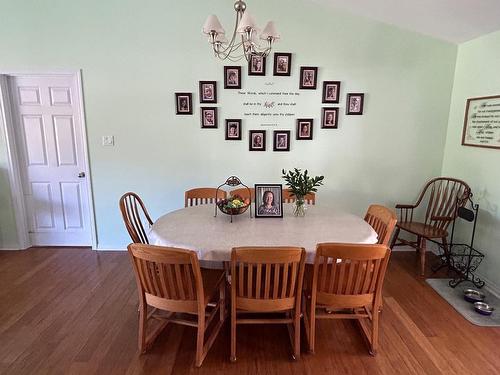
x=289, y=198
x=243, y=192
x=383, y=221
x=131, y=206
x=198, y=196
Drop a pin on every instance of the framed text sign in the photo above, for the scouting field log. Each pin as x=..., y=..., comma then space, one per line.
x=482, y=122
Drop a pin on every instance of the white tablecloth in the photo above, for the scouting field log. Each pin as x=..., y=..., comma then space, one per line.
x=196, y=228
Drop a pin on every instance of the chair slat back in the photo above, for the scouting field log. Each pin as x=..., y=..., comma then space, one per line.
x=444, y=196
x=289, y=198
x=198, y=196
x=133, y=212
x=243, y=192
x=169, y=278
x=267, y=278
x=348, y=275
x=382, y=220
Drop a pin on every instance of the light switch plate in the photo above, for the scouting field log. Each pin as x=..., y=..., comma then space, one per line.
x=108, y=140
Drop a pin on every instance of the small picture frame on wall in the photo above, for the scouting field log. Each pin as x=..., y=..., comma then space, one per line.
x=209, y=117
x=257, y=140
x=208, y=92
x=268, y=200
x=304, y=129
x=183, y=103
x=233, y=129
x=354, y=105
x=232, y=77
x=281, y=140
x=308, y=77
x=330, y=117
x=331, y=91
x=257, y=65
x=282, y=64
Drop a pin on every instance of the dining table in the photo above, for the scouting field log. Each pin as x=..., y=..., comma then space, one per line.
x=213, y=236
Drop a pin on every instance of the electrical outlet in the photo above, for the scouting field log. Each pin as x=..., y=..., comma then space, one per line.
x=108, y=140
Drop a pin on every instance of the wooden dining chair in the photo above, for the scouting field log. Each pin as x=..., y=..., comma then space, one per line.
x=170, y=282
x=289, y=198
x=267, y=280
x=243, y=192
x=442, y=197
x=134, y=213
x=346, y=283
x=383, y=221
x=198, y=196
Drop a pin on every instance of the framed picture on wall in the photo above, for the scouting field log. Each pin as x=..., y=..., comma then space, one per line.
x=183, y=103
x=482, y=122
x=233, y=129
x=257, y=140
x=208, y=117
x=331, y=91
x=257, y=65
x=232, y=77
x=281, y=140
x=354, y=105
x=268, y=200
x=330, y=117
x=282, y=64
x=208, y=92
x=304, y=129
x=308, y=77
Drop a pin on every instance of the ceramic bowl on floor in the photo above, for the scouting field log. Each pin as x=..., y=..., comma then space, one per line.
x=483, y=308
x=472, y=295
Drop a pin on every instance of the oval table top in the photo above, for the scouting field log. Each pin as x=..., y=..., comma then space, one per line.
x=196, y=228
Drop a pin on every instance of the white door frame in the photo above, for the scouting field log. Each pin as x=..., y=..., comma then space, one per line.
x=13, y=156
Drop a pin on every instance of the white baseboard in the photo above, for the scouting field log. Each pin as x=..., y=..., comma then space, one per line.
x=108, y=248
x=10, y=249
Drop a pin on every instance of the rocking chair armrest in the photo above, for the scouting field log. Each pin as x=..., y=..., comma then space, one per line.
x=442, y=218
x=405, y=206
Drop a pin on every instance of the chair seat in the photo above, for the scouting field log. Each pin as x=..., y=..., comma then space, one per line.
x=211, y=280
x=421, y=229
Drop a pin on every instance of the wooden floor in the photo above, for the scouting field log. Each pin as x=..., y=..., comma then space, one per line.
x=74, y=311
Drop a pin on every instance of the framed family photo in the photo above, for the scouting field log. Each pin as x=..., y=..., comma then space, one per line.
x=304, y=129
x=282, y=64
x=257, y=140
x=330, y=118
x=308, y=77
x=183, y=103
x=268, y=200
x=209, y=117
x=232, y=77
x=281, y=140
x=354, y=105
x=331, y=91
x=208, y=92
x=233, y=129
x=257, y=65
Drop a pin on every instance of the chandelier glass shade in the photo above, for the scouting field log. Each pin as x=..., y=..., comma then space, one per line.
x=245, y=40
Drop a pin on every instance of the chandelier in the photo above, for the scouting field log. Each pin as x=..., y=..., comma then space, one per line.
x=244, y=41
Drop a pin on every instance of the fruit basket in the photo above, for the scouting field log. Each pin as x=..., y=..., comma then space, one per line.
x=234, y=205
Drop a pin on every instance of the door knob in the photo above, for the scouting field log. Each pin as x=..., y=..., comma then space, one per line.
x=81, y=175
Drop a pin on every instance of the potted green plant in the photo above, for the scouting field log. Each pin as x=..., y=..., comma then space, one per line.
x=300, y=184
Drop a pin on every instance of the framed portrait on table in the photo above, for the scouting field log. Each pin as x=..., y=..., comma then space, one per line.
x=282, y=64
x=232, y=77
x=268, y=200
x=331, y=91
x=183, y=103
x=304, y=129
x=208, y=92
x=281, y=140
x=257, y=65
x=354, y=105
x=308, y=77
x=330, y=118
x=257, y=140
x=233, y=129
x=209, y=117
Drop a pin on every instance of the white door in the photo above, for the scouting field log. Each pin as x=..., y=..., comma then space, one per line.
x=49, y=136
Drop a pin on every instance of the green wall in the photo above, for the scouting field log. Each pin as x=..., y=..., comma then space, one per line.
x=134, y=55
x=477, y=75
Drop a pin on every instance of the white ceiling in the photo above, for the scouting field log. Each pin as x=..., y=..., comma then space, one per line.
x=455, y=21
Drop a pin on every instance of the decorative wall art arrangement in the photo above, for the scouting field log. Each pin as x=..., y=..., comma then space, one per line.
x=482, y=122
x=308, y=79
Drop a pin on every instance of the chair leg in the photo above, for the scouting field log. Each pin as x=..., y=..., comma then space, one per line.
x=446, y=250
x=143, y=317
x=233, y=331
x=312, y=328
x=423, y=246
x=395, y=237
x=374, y=338
x=296, y=328
x=200, y=339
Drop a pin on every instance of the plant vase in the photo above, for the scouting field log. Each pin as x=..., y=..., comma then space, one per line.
x=299, y=208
